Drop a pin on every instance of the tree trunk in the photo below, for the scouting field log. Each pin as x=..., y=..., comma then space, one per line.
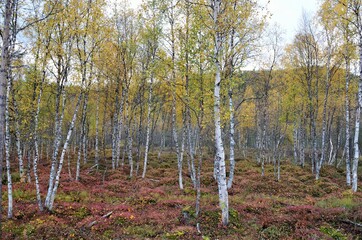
x=36, y=136
x=324, y=117
x=232, y=140
x=295, y=142
x=18, y=139
x=220, y=153
x=7, y=148
x=57, y=129
x=356, y=150
x=149, y=103
x=347, y=119
x=358, y=116
x=96, y=154
x=53, y=192
x=5, y=64
x=82, y=142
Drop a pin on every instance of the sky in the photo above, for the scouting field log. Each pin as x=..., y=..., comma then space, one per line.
x=286, y=13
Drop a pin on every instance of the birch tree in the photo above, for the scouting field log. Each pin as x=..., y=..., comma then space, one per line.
x=172, y=15
x=152, y=33
x=356, y=9
x=216, y=7
x=60, y=56
x=331, y=64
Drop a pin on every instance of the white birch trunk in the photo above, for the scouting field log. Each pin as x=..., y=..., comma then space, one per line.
x=149, y=102
x=4, y=78
x=130, y=158
x=191, y=162
x=96, y=154
x=49, y=205
x=324, y=117
x=139, y=140
x=7, y=149
x=295, y=142
x=18, y=141
x=302, y=144
x=115, y=135
x=220, y=154
x=182, y=150
x=128, y=136
x=358, y=116
x=5, y=62
x=36, y=142
x=356, y=150
x=120, y=126
x=82, y=142
x=347, y=119
x=232, y=141
x=57, y=141
x=115, y=129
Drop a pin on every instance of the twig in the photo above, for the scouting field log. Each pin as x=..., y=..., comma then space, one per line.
x=95, y=221
x=107, y=215
x=91, y=169
x=155, y=180
x=353, y=223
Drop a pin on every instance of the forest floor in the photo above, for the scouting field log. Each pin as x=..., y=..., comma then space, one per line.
x=107, y=204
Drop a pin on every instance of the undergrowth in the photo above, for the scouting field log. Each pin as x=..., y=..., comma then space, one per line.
x=107, y=204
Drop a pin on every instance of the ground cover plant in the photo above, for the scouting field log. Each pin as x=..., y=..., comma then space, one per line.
x=107, y=204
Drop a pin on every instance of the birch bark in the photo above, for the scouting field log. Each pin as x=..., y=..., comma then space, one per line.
x=220, y=153
x=7, y=147
x=148, y=126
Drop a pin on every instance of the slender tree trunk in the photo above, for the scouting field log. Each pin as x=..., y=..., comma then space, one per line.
x=104, y=129
x=220, y=153
x=295, y=142
x=232, y=140
x=314, y=145
x=49, y=204
x=139, y=141
x=358, y=116
x=302, y=144
x=149, y=103
x=57, y=133
x=347, y=119
x=231, y=108
x=28, y=154
x=82, y=142
x=18, y=139
x=192, y=169
x=325, y=105
x=128, y=135
x=198, y=182
x=356, y=150
x=7, y=148
x=5, y=64
x=120, y=126
x=69, y=168
x=162, y=139
x=173, y=111
x=129, y=148
x=115, y=129
x=96, y=154
x=36, y=136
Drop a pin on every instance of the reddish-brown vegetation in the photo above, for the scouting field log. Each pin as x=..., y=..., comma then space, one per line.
x=107, y=204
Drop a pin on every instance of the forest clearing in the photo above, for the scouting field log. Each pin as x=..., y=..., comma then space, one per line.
x=180, y=119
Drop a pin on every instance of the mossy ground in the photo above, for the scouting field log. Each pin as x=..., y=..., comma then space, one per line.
x=297, y=207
